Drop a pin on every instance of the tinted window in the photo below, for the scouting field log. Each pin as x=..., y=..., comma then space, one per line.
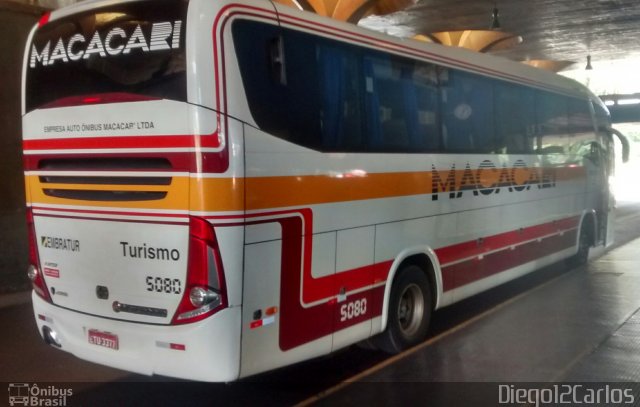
x=331, y=96
x=133, y=47
x=283, y=101
x=468, y=118
x=316, y=101
x=581, y=128
x=552, y=119
x=515, y=118
x=402, y=102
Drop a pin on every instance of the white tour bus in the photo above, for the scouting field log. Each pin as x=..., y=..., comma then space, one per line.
x=218, y=188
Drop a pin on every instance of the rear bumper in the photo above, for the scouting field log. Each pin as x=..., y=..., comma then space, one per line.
x=211, y=347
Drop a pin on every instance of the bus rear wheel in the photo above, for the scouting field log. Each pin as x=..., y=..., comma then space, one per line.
x=409, y=311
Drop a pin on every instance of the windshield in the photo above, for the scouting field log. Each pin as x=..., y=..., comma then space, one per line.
x=132, y=48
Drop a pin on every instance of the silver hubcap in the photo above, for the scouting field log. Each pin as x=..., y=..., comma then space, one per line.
x=411, y=309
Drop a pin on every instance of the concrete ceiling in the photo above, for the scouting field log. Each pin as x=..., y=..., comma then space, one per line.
x=608, y=30
x=552, y=29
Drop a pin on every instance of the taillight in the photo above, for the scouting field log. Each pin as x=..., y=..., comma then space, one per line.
x=44, y=19
x=34, y=271
x=205, y=291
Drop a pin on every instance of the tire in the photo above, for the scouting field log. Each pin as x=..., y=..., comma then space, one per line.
x=410, y=308
x=584, y=244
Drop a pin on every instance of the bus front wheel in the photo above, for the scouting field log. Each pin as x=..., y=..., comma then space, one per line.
x=409, y=311
x=584, y=244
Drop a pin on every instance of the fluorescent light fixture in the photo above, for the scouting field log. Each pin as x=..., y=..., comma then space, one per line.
x=628, y=101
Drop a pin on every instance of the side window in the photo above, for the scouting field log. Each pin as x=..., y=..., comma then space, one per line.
x=340, y=98
x=515, y=125
x=582, y=139
x=401, y=103
x=552, y=121
x=316, y=101
x=389, y=122
x=427, y=136
x=302, y=94
x=254, y=43
x=287, y=107
x=468, y=117
x=332, y=96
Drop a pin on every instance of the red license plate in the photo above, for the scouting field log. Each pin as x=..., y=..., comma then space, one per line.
x=106, y=339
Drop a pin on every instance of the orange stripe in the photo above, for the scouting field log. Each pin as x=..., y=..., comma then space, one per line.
x=217, y=194
x=176, y=198
x=275, y=192
x=226, y=194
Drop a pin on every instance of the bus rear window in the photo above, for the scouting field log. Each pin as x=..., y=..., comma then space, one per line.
x=127, y=49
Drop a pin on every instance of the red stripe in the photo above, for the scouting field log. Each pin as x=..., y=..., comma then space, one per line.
x=460, y=274
x=300, y=325
x=99, y=212
x=210, y=162
x=113, y=220
x=318, y=289
x=114, y=142
x=502, y=240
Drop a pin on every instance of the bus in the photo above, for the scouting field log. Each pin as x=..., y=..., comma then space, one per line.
x=219, y=188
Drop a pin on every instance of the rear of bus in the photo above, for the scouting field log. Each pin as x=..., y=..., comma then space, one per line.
x=120, y=163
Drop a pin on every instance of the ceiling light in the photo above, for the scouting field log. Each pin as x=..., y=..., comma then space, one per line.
x=588, y=67
x=628, y=101
x=549, y=64
x=495, y=23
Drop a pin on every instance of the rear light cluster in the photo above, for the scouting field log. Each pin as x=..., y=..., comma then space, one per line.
x=34, y=272
x=44, y=19
x=205, y=291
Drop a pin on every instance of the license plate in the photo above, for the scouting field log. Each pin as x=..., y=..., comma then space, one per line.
x=106, y=339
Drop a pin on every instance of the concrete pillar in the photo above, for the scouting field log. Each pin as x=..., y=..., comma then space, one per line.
x=16, y=21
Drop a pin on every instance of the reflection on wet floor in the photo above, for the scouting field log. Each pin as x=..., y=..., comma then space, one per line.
x=582, y=326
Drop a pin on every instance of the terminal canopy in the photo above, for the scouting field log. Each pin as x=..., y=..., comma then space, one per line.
x=475, y=40
x=348, y=10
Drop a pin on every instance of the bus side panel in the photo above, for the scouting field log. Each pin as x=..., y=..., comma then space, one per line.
x=275, y=242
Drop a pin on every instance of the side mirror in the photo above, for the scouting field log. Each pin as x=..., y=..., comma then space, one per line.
x=595, y=152
x=624, y=141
